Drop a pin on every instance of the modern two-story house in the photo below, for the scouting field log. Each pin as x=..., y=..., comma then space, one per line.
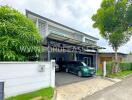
x=64, y=43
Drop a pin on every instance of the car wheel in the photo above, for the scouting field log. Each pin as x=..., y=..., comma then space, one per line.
x=79, y=73
x=67, y=70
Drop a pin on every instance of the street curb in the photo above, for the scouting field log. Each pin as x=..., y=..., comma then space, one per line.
x=106, y=78
x=55, y=94
x=126, y=76
x=111, y=79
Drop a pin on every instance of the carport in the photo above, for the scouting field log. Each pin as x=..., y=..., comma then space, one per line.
x=67, y=49
x=59, y=46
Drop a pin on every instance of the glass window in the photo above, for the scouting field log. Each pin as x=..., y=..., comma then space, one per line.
x=41, y=27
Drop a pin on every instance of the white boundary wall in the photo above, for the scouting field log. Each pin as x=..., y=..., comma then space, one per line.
x=23, y=77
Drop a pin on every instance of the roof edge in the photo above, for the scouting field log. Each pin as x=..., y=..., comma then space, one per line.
x=113, y=53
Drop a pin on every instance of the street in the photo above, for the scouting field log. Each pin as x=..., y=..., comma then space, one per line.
x=119, y=91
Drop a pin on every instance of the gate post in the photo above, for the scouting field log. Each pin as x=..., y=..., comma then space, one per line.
x=52, y=73
x=1, y=90
x=104, y=68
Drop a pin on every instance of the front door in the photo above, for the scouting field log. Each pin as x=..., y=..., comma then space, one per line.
x=87, y=60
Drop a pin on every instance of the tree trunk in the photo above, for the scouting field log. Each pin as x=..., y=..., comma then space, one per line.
x=116, y=62
x=116, y=58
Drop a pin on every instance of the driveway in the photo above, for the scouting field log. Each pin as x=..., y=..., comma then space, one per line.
x=119, y=91
x=63, y=78
x=75, y=88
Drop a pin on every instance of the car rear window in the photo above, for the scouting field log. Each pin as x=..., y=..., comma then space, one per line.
x=76, y=64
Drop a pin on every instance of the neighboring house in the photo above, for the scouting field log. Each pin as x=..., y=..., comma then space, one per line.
x=128, y=58
x=64, y=43
x=109, y=56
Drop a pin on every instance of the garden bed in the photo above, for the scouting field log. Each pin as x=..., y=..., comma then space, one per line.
x=125, y=70
x=121, y=74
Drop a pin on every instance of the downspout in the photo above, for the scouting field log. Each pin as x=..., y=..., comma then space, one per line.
x=96, y=59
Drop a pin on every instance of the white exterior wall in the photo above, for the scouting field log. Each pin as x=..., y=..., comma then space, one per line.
x=22, y=77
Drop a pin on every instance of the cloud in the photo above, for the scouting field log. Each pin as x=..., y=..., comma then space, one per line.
x=73, y=13
x=127, y=47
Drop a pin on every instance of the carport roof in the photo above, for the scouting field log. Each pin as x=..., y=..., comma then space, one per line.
x=62, y=38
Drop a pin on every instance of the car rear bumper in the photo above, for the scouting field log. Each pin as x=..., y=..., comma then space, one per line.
x=88, y=73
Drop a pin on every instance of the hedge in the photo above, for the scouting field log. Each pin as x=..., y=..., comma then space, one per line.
x=109, y=66
x=122, y=66
x=125, y=66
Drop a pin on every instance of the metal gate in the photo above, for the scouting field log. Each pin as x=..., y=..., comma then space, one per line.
x=1, y=90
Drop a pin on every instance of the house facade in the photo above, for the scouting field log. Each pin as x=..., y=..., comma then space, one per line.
x=64, y=43
x=109, y=57
x=128, y=58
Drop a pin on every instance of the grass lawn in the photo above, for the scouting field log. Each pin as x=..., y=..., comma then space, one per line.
x=46, y=94
x=120, y=74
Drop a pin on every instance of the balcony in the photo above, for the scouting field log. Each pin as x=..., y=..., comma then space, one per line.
x=65, y=33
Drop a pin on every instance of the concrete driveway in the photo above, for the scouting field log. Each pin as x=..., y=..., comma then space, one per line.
x=71, y=87
x=119, y=91
x=63, y=78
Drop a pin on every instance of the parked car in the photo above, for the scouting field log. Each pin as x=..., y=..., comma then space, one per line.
x=56, y=67
x=79, y=68
x=61, y=65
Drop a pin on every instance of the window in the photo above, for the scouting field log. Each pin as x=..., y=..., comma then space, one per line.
x=87, y=60
x=90, y=41
x=41, y=27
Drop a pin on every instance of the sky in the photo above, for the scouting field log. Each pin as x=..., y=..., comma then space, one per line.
x=73, y=13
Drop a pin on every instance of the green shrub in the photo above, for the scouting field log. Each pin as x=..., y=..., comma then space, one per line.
x=109, y=66
x=99, y=72
x=19, y=38
x=125, y=69
x=122, y=66
x=125, y=66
